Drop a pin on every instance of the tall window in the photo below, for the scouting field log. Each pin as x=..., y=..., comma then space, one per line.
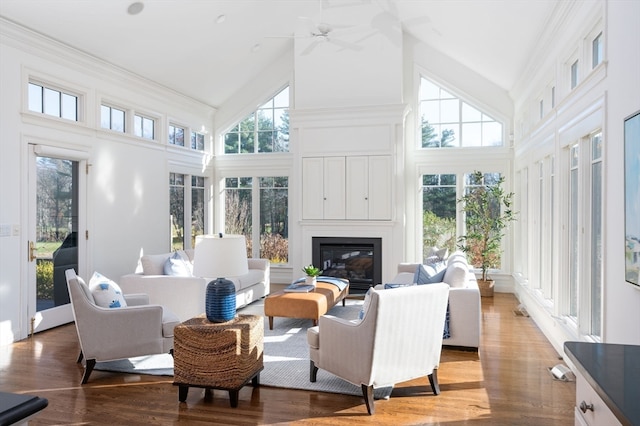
x=441, y=216
x=112, y=118
x=585, y=255
x=143, y=126
x=574, y=226
x=186, y=194
x=197, y=208
x=53, y=102
x=176, y=209
x=265, y=205
x=447, y=121
x=439, y=212
x=264, y=130
x=596, y=235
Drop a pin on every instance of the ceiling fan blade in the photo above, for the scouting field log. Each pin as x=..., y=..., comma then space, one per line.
x=310, y=47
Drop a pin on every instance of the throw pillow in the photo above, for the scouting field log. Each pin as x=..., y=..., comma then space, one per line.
x=106, y=293
x=176, y=266
x=429, y=274
x=153, y=264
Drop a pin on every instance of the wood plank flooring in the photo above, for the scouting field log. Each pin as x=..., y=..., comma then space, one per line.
x=505, y=383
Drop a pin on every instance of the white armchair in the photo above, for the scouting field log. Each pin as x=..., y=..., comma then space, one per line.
x=107, y=334
x=398, y=339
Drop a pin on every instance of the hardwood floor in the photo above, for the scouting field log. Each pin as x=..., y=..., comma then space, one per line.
x=505, y=383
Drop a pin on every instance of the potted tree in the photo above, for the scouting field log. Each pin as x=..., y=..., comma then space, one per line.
x=488, y=211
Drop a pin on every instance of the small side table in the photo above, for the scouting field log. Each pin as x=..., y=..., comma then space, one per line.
x=224, y=355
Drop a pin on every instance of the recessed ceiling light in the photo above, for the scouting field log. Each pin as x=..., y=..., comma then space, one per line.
x=220, y=19
x=135, y=8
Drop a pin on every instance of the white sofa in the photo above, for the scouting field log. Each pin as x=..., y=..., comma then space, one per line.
x=464, y=300
x=185, y=295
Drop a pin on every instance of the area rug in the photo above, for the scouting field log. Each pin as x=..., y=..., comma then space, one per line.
x=286, y=356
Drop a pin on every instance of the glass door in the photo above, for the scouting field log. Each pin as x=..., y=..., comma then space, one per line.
x=56, y=242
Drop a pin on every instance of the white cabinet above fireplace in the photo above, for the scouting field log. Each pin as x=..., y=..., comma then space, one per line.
x=347, y=187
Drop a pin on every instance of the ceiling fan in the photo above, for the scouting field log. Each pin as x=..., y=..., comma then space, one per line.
x=324, y=33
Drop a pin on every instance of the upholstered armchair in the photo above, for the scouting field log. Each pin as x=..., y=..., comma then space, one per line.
x=108, y=334
x=398, y=339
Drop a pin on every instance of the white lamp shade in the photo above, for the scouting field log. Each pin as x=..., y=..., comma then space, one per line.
x=220, y=257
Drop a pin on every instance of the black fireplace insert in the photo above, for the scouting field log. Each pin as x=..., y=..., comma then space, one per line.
x=358, y=260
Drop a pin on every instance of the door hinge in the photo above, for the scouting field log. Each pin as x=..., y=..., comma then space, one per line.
x=86, y=167
x=86, y=234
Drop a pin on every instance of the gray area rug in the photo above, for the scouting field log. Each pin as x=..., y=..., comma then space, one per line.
x=286, y=356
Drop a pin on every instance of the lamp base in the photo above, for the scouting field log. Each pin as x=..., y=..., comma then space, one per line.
x=220, y=303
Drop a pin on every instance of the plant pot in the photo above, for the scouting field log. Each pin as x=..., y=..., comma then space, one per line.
x=486, y=287
x=309, y=280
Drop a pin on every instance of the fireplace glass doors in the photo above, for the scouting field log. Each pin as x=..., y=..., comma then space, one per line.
x=358, y=260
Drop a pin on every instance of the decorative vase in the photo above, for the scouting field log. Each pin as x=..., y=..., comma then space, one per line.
x=311, y=280
x=220, y=303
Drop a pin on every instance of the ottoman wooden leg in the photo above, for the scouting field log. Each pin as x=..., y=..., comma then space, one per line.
x=182, y=393
x=255, y=382
x=233, y=398
x=270, y=323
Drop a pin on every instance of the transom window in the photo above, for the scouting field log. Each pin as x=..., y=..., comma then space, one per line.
x=56, y=103
x=176, y=135
x=197, y=141
x=447, y=121
x=143, y=126
x=596, y=51
x=264, y=130
x=112, y=118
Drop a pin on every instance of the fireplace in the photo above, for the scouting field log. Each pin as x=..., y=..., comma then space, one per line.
x=357, y=259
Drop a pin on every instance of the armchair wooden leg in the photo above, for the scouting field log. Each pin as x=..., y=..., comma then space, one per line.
x=80, y=356
x=433, y=381
x=313, y=372
x=88, y=368
x=367, y=393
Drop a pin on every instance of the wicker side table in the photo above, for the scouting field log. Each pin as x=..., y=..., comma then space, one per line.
x=223, y=355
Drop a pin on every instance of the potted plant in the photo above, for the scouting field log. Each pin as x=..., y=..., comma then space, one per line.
x=311, y=273
x=488, y=211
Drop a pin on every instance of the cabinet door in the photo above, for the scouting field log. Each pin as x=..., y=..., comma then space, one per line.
x=334, y=188
x=380, y=184
x=313, y=188
x=357, y=181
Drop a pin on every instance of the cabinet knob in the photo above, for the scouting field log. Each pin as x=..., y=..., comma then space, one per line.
x=584, y=407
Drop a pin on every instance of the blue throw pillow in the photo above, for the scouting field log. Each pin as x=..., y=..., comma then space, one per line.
x=429, y=274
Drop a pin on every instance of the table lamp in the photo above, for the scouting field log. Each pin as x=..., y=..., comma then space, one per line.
x=220, y=256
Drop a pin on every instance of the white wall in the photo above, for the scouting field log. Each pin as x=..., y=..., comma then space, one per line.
x=127, y=194
x=603, y=98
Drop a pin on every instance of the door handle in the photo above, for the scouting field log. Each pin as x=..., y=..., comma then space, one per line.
x=32, y=251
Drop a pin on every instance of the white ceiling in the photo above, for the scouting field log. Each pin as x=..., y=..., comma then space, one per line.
x=180, y=44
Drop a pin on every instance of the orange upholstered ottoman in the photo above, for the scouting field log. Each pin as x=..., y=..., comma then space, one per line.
x=309, y=305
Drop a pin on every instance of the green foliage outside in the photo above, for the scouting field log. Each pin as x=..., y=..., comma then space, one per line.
x=44, y=279
x=431, y=139
x=438, y=232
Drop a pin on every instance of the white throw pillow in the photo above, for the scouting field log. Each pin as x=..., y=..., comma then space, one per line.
x=153, y=264
x=456, y=274
x=106, y=293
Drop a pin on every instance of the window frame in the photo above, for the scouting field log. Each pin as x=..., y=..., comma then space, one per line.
x=62, y=91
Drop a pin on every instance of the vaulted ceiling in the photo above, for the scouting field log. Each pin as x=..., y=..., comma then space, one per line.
x=209, y=49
